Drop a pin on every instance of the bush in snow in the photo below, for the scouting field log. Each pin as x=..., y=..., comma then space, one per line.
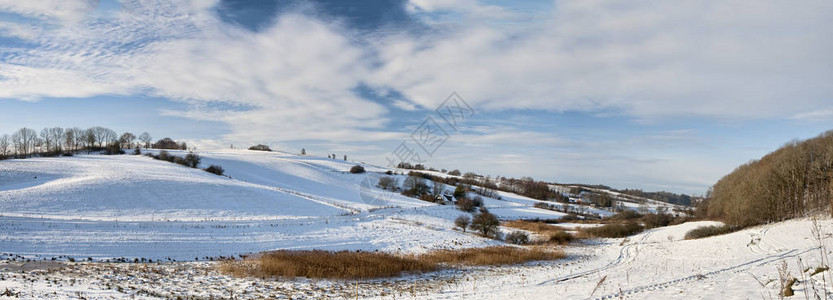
x=460, y=191
x=388, y=183
x=561, y=237
x=517, y=238
x=215, y=169
x=113, y=149
x=166, y=143
x=614, y=230
x=707, y=231
x=431, y=198
x=357, y=169
x=462, y=222
x=163, y=155
x=466, y=204
x=454, y=173
x=192, y=160
x=485, y=223
x=478, y=201
x=414, y=186
x=626, y=215
x=657, y=220
x=260, y=147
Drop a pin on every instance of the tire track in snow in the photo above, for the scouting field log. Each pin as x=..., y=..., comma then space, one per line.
x=301, y=195
x=624, y=257
x=736, y=268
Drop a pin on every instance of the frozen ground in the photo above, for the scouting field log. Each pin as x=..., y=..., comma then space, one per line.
x=655, y=264
x=106, y=207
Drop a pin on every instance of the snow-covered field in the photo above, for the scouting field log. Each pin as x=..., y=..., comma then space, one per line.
x=655, y=264
x=106, y=207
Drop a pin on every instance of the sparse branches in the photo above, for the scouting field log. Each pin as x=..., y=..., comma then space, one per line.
x=127, y=139
x=518, y=238
x=785, y=280
x=215, y=169
x=24, y=141
x=388, y=183
x=793, y=181
x=414, y=186
x=486, y=223
x=5, y=145
x=146, y=139
x=438, y=189
x=192, y=160
x=462, y=222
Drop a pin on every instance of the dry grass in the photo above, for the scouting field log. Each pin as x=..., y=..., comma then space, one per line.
x=613, y=230
x=325, y=264
x=553, y=234
x=707, y=231
x=491, y=256
x=364, y=265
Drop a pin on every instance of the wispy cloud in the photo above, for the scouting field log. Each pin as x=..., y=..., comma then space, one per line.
x=296, y=78
x=822, y=115
x=57, y=10
x=648, y=59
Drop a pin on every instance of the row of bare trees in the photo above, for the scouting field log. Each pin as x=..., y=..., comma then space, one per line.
x=56, y=140
x=793, y=181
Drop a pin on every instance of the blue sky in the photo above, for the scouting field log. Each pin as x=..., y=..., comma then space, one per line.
x=656, y=95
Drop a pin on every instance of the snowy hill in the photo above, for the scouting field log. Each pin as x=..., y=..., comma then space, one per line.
x=106, y=207
x=135, y=206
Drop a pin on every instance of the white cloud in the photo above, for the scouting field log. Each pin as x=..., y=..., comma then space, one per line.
x=27, y=83
x=292, y=81
x=654, y=59
x=821, y=115
x=296, y=79
x=63, y=10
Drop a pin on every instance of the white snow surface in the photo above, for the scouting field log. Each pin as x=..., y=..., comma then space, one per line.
x=655, y=264
x=130, y=206
x=105, y=207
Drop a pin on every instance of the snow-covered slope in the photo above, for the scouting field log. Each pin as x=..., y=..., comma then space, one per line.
x=658, y=264
x=134, y=206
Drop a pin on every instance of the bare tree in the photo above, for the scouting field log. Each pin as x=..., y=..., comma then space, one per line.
x=24, y=140
x=145, y=138
x=55, y=135
x=80, y=138
x=127, y=139
x=110, y=136
x=104, y=135
x=69, y=139
x=90, y=137
x=438, y=189
x=5, y=145
x=46, y=138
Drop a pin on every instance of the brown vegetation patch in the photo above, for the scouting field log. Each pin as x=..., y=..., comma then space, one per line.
x=552, y=234
x=365, y=265
x=707, y=231
x=613, y=230
x=325, y=264
x=491, y=256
